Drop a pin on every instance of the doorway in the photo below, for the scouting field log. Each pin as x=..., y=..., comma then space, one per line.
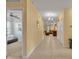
x=14, y=33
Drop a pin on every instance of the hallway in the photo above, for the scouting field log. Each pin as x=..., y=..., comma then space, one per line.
x=50, y=48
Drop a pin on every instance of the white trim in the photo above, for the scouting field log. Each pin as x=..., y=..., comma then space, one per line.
x=28, y=55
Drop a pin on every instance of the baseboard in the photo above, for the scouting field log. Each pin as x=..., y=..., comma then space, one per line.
x=24, y=57
x=60, y=42
x=28, y=55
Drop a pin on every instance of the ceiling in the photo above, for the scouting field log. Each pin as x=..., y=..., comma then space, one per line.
x=54, y=6
x=49, y=8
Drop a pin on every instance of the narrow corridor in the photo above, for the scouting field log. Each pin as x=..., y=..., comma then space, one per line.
x=50, y=48
x=29, y=20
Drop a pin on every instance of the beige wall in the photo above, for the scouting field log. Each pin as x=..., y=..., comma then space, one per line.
x=67, y=14
x=34, y=27
x=32, y=24
x=67, y=26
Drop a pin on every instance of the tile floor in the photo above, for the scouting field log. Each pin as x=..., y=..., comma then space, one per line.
x=49, y=48
x=14, y=51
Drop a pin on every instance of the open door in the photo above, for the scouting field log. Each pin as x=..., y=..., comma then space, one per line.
x=14, y=32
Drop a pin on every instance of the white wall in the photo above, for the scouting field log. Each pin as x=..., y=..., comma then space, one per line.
x=60, y=31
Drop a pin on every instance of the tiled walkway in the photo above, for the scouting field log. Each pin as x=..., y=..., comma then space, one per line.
x=14, y=51
x=50, y=48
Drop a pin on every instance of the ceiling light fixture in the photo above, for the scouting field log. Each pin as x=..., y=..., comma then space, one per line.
x=50, y=14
